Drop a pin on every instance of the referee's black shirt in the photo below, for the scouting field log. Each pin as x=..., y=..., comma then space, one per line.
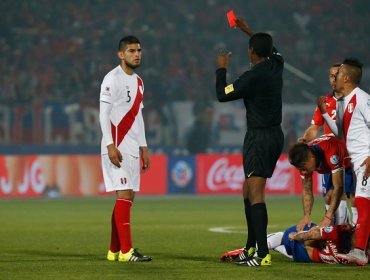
x=261, y=89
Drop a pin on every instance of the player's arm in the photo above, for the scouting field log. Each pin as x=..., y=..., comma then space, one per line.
x=144, y=151
x=321, y=103
x=337, y=178
x=106, y=105
x=312, y=234
x=113, y=153
x=307, y=202
x=310, y=133
x=365, y=109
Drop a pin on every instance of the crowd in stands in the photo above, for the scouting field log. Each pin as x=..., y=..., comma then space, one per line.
x=59, y=51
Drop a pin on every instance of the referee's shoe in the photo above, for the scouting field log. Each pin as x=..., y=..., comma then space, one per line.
x=257, y=261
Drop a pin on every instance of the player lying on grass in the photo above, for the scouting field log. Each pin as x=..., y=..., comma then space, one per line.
x=315, y=244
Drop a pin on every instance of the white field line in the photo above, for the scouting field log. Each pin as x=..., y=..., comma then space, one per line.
x=234, y=229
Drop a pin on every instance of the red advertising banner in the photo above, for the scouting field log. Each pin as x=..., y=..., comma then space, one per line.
x=72, y=175
x=223, y=174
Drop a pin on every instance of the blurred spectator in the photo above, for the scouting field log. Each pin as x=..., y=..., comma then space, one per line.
x=202, y=134
x=58, y=51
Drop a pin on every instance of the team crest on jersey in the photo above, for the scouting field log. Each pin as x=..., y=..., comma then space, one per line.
x=123, y=181
x=328, y=229
x=334, y=159
x=350, y=108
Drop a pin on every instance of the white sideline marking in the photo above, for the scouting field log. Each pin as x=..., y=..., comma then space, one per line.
x=234, y=229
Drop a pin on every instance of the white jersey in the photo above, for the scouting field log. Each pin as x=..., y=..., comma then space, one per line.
x=353, y=121
x=122, y=123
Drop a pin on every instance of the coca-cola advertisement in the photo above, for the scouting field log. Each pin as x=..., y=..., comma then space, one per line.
x=223, y=174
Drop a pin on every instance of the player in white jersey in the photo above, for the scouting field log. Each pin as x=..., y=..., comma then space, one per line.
x=123, y=144
x=353, y=125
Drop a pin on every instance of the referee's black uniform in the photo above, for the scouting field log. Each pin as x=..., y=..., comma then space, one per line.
x=261, y=89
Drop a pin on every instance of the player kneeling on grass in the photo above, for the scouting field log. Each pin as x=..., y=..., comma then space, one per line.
x=315, y=244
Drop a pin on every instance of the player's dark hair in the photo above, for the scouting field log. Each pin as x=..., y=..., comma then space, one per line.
x=336, y=65
x=261, y=43
x=127, y=41
x=354, y=67
x=299, y=154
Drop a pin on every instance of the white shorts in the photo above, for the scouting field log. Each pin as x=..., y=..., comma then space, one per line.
x=362, y=184
x=126, y=177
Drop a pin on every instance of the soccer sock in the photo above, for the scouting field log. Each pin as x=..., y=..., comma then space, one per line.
x=122, y=218
x=259, y=220
x=282, y=250
x=363, y=222
x=354, y=215
x=342, y=214
x=114, y=240
x=251, y=242
x=274, y=239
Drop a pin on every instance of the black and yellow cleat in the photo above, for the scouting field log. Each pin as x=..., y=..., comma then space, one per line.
x=257, y=261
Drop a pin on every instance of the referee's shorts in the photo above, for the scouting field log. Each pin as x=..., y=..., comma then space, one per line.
x=261, y=150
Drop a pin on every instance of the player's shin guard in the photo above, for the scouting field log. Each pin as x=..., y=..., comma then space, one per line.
x=363, y=222
x=122, y=218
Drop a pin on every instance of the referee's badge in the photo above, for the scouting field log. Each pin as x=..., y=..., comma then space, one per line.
x=229, y=88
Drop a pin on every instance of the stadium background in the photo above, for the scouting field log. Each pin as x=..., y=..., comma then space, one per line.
x=54, y=55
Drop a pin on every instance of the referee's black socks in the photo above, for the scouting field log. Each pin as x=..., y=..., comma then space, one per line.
x=259, y=224
x=248, y=216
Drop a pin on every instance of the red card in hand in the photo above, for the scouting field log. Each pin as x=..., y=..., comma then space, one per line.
x=231, y=18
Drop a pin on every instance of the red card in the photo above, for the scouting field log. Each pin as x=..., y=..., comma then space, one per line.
x=231, y=18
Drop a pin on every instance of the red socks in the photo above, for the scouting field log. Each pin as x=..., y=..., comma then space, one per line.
x=121, y=228
x=114, y=239
x=363, y=222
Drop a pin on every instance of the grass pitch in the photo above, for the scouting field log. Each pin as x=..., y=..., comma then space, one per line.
x=69, y=239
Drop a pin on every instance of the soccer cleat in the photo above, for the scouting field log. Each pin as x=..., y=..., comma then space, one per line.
x=231, y=255
x=356, y=256
x=133, y=256
x=112, y=256
x=245, y=255
x=257, y=261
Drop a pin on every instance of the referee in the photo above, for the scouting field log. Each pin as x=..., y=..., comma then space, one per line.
x=261, y=90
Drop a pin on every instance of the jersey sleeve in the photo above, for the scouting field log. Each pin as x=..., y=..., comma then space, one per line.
x=334, y=157
x=105, y=124
x=366, y=112
x=141, y=133
x=106, y=90
x=317, y=118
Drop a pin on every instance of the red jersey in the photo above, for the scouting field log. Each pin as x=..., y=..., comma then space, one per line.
x=331, y=105
x=340, y=235
x=332, y=154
